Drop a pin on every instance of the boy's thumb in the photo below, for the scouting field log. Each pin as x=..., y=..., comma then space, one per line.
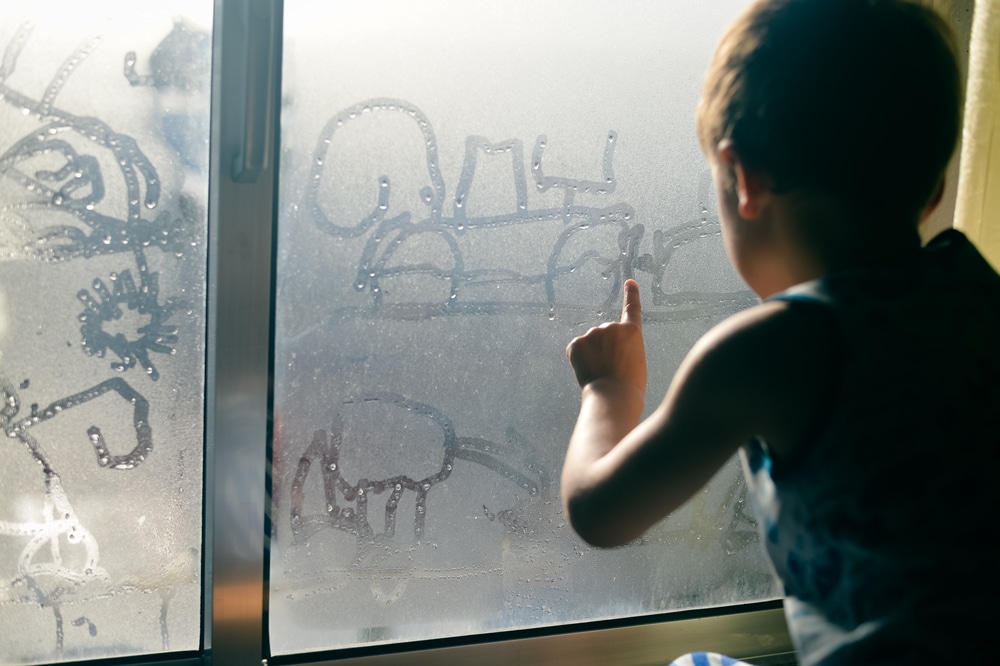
x=631, y=307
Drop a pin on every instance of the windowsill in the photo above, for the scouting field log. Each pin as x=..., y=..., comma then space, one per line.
x=757, y=634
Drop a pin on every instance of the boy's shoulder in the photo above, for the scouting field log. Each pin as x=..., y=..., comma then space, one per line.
x=771, y=332
x=774, y=364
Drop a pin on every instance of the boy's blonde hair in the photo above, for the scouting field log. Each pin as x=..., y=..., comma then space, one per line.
x=859, y=99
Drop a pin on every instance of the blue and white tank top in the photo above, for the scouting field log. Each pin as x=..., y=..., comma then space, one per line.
x=880, y=527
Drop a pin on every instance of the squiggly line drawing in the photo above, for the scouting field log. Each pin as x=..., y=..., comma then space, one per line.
x=391, y=234
x=140, y=422
x=59, y=519
x=389, y=237
x=166, y=583
x=154, y=336
x=77, y=188
x=325, y=449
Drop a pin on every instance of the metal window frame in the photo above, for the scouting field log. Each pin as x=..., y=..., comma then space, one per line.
x=242, y=223
x=242, y=218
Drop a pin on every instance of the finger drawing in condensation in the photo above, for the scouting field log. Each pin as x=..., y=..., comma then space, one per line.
x=386, y=253
x=394, y=244
x=152, y=337
x=75, y=190
x=325, y=450
x=347, y=500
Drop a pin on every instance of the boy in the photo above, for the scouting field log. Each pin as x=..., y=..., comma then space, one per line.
x=863, y=392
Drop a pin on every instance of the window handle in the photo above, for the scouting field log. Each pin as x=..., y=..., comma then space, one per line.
x=258, y=74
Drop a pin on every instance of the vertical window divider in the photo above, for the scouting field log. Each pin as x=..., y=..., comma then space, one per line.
x=242, y=212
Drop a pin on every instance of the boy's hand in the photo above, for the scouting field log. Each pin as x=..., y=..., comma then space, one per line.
x=614, y=350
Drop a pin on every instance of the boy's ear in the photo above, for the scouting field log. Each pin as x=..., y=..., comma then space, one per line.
x=753, y=185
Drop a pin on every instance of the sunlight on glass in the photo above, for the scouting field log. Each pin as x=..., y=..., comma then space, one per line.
x=103, y=195
x=464, y=188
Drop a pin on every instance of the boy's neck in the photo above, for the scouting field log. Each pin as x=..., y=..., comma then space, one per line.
x=867, y=246
x=825, y=237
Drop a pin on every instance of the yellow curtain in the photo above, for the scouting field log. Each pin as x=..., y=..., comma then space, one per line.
x=977, y=209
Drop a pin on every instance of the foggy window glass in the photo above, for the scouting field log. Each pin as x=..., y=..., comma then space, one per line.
x=464, y=188
x=103, y=192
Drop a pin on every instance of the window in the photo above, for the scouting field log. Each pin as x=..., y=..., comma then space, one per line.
x=464, y=189
x=284, y=294
x=103, y=208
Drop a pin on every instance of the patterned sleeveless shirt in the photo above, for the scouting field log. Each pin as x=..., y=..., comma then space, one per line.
x=881, y=526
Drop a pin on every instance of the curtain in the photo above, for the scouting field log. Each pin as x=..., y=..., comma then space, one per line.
x=977, y=210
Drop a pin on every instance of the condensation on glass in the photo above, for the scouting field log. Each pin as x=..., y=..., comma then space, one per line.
x=103, y=191
x=464, y=188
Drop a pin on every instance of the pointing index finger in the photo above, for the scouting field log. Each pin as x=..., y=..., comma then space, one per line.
x=631, y=307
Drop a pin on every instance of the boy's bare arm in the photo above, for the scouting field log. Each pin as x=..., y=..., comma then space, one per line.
x=764, y=372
